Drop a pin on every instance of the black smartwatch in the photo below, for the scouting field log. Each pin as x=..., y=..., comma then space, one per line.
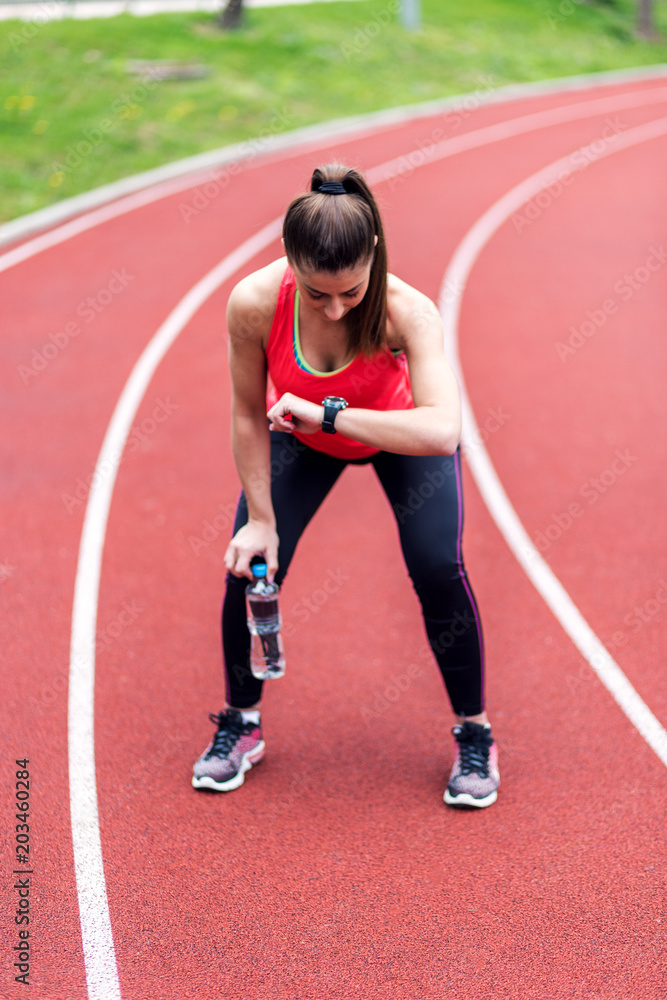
x=331, y=404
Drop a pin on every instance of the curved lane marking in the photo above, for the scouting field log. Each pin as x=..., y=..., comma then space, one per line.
x=509, y=129
x=98, y=947
x=402, y=164
x=342, y=128
x=97, y=936
x=536, y=568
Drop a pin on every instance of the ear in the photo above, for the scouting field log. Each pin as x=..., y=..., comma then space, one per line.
x=376, y=240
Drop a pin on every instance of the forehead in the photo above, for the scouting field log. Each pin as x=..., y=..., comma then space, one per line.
x=339, y=281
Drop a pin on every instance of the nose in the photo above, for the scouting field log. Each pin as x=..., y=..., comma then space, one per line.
x=334, y=309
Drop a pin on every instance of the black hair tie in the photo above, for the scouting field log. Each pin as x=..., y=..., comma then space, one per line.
x=332, y=187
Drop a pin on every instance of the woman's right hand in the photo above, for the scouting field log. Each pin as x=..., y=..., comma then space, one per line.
x=254, y=538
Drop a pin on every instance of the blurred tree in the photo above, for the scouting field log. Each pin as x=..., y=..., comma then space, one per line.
x=646, y=20
x=232, y=15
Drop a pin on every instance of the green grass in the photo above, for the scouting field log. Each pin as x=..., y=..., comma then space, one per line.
x=66, y=83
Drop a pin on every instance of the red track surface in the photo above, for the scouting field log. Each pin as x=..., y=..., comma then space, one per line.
x=336, y=871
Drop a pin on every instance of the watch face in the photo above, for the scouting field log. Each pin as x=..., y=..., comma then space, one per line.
x=332, y=400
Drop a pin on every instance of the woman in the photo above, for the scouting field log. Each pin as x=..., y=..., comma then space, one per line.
x=357, y=374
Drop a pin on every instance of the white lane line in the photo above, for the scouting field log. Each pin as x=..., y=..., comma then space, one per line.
x=98, y=946
x=164, y=184
x=321, y=134
x=486, y=478
x=97, y=936
x=516, y=126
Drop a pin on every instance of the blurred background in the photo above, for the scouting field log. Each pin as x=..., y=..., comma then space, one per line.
x=95, y=90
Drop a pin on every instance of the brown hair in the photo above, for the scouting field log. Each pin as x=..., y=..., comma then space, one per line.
x=335, y=232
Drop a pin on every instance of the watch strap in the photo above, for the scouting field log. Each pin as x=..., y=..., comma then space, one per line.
x=331, y=410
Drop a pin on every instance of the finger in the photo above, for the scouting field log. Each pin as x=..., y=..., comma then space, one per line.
x=233, y=568
x=243, y=566
x=234, y=561
x=271, y=563
x=279, y=408
x=282, y=423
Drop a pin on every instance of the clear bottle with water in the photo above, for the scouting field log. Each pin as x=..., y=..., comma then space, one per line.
x=267, y=657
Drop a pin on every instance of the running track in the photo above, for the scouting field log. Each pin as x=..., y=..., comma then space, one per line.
x=336, y=871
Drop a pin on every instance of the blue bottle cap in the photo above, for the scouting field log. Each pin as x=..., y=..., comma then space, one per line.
x=259, y=569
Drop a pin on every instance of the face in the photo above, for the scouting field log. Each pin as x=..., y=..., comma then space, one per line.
x=333, y=295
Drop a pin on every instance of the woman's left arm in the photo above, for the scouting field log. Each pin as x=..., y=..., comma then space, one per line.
x=433, y=427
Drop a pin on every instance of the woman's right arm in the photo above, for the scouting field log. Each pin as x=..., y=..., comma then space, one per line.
x=248, y=319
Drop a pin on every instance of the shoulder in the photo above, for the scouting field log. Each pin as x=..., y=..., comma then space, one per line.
x=410, y=314
x=252, y=301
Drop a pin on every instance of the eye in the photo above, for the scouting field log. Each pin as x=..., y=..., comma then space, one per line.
x=352, y=295
x=315, y=295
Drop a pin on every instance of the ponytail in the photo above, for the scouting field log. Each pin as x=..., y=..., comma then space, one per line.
x=335, y=232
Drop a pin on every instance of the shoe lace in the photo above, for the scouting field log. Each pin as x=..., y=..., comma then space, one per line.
x=229, y=730
x=474, y=746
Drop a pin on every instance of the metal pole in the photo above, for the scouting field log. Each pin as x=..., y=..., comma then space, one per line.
x=411, y=14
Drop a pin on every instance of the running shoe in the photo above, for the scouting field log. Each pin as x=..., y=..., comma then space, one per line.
x=474, y=780
x=236, y=746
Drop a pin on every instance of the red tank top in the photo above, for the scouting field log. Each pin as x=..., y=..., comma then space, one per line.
x=378, y=383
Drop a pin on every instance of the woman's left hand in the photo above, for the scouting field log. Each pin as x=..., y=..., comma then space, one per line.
x=293, y=413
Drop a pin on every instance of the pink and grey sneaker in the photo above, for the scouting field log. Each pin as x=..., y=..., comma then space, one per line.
x=236, y=746
x=474, y=780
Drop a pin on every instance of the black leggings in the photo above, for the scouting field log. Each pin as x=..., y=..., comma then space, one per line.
x=426, y=498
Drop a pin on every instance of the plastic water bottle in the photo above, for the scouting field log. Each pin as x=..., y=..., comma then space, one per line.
x=267, y=657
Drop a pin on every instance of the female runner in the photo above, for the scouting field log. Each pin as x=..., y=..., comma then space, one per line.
x=357, y=374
